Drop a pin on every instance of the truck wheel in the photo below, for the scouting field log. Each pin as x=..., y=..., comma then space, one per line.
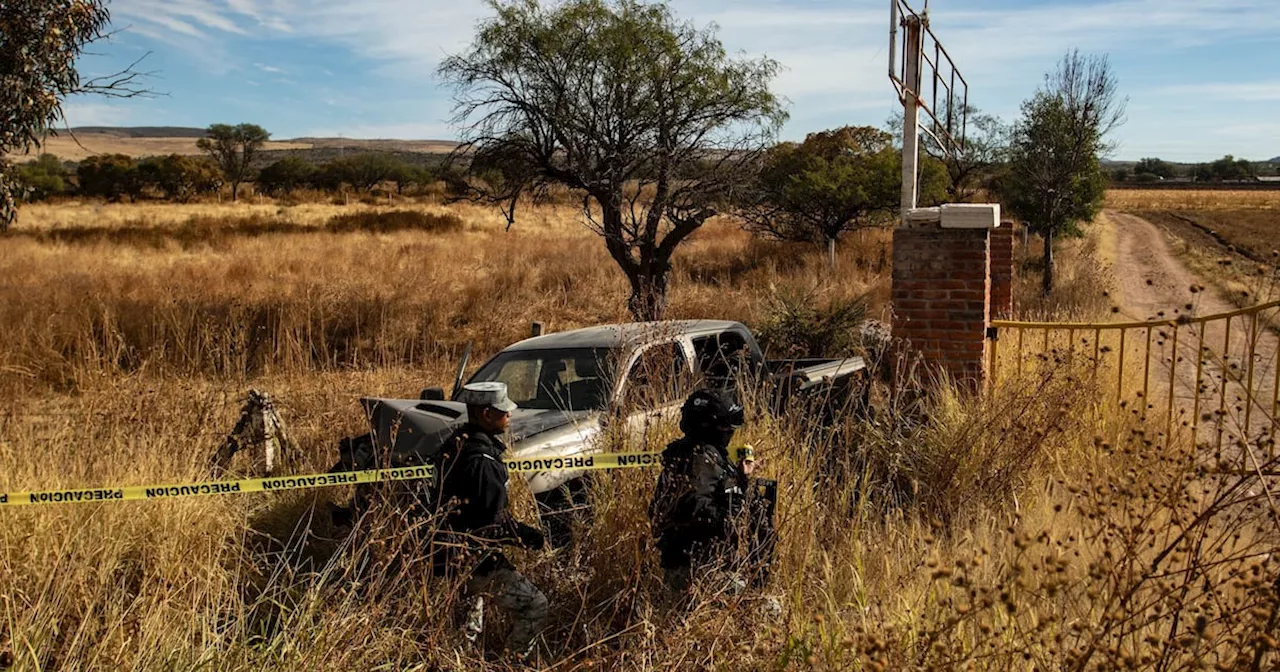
x=564, y=507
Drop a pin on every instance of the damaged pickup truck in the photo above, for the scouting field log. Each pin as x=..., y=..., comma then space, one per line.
x=571, y=385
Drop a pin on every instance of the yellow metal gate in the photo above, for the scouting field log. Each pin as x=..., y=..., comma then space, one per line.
x=1215, y=378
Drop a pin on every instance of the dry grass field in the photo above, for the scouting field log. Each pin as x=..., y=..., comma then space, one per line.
x=1031, y=528
x=1192, y=199
x=1230, y=238
x=80, y=146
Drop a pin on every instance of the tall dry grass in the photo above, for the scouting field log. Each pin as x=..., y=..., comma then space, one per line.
x=1032, y=528
x=236, y=297
x=1192, y=199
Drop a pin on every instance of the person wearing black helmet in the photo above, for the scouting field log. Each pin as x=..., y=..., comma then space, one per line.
x=700, y=490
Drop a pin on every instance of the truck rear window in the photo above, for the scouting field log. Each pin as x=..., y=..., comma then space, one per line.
x=570, y=379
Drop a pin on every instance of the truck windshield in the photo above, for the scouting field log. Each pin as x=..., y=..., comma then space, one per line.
x=569, y=379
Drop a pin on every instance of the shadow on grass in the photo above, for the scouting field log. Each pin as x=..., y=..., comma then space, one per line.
x=200, y=231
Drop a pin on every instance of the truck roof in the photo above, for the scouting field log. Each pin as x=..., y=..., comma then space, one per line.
x=628, y=334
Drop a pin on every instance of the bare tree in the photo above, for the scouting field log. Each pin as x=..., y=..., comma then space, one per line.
x=644, y=116
x=40, y=41
x=1055, y=180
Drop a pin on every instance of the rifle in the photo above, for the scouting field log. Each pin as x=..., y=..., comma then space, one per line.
x=762, y=507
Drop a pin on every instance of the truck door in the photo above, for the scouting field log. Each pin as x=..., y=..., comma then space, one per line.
x=724, y=360
x=656, y=384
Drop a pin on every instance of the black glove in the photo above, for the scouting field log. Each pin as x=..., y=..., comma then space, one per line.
x=530, y=537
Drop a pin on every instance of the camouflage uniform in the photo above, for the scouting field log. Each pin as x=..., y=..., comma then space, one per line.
x=477, y=523
x=693, y=509
x=699, y=492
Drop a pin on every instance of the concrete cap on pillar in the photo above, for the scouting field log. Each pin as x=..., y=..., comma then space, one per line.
x=970, y=216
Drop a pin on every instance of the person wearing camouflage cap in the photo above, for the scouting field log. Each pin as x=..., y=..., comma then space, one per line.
x=477, y=519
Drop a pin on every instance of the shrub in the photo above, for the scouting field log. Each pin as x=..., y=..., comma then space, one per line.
x=285, y=176
x=41, y=179
x=798, y=324
x=181, y=178
x=110, y=176
x=363, y=171
x=395, y=220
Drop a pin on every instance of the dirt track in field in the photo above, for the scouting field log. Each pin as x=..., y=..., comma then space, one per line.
x=1152, y=284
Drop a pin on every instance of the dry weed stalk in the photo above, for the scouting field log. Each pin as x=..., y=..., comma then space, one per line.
x=1032, y=529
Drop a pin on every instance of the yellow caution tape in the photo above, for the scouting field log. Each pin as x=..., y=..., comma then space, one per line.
x=594, y=462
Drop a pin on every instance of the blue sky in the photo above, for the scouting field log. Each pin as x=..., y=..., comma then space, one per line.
x=1201, y=75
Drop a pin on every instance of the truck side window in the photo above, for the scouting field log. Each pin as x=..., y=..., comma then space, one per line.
x=721, y=357
x=658, y=377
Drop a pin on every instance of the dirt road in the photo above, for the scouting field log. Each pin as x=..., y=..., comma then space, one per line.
x=1235, y=393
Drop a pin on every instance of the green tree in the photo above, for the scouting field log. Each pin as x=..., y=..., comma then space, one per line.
x=110, y=176
x=410, y=176
x=365, y=171
x=643, y=115
x=1055, y=179
x=835, y=181
x=41, y=179
x=1231, y=169
x=40, y=41
x=286, y=175
x=981, y=156
x=232, y=148
x=1157, y=167
x=181, y=178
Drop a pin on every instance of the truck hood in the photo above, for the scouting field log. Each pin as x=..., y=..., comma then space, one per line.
x=415, y=430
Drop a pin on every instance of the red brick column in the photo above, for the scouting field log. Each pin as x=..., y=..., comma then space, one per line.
x=1002, y=271
x=942, y=298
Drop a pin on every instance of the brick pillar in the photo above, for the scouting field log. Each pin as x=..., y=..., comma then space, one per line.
x=942, y=298
x=1002, y=272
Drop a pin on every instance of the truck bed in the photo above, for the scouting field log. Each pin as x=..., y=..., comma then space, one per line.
x=810, y=372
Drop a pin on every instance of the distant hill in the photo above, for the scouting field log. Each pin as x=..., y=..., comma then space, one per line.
x=1275, y=160
x=85, y=141
x=141, y=131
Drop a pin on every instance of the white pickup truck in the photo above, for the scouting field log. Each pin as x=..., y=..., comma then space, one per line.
x=568, y=388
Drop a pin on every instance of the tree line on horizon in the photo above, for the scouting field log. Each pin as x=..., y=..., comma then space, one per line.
x=231, y=158
x=1224, y=170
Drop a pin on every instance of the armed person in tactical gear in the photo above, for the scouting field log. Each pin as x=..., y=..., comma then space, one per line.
x=700, y=491
x=473, y=497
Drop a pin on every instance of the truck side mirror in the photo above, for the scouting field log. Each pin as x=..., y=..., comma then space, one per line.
x=432, y=394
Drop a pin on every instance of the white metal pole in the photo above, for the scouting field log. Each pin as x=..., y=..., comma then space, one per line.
x=914, y=36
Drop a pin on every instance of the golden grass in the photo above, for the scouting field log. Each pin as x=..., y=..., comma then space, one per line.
x=1026, y=529
x=288, y=302
x=954, y=571
x=84, y=145
x=1191, y=199
x=96, y=214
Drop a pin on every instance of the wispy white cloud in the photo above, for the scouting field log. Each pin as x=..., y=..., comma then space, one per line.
x=1236, y=91
x=204, y=19
x=87, y=113
x=1258, y=129
x=835, y=55
x=268, y=68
